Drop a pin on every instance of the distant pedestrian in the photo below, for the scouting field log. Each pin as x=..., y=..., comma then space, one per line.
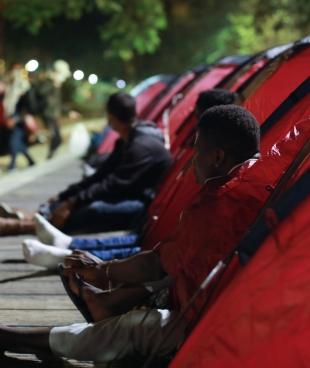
x=18, y=134
x=50, y=103
x=3, y=128
x=48, y=93
x=17, y=84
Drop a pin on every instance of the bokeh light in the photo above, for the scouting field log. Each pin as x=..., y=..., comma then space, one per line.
x=78, y=75
x=121, y=84
x=93, y=79
x=32, y=65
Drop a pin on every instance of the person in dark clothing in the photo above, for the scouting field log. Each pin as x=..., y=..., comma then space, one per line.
x=93, y=161
x=124, y=184
x=4, y=132
x=121, y=188
x=49, y=99
x=18, y=142
x=120, y=191
x=18, y=135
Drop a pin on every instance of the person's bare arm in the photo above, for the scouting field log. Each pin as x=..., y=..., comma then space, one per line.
x=143, y=267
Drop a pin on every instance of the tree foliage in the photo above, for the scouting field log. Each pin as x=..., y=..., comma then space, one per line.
x=131, y=31
x=129, y=27
x=257, y=25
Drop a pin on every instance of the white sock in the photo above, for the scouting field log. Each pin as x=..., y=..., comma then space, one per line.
x=48, y=234
x=43, y=255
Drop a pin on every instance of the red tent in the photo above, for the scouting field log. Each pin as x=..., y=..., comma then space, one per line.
x=179, y=86
x=150, y=89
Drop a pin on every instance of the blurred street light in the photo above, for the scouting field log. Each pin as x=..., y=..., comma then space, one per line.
x=120, y=84
x=32, y=65
x=93, y=79
x=78, y=75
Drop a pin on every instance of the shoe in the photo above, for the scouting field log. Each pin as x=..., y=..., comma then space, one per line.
x=8, y=212
x=53, y=149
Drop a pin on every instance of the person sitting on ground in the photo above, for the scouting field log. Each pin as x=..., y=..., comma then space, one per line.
x=119, y=191
x=53, y=245
x=226, y=148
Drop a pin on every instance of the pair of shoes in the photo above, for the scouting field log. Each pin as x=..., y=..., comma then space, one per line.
x=8, y=212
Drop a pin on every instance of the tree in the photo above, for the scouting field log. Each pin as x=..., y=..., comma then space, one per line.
x=129, y=27
x=257, y=25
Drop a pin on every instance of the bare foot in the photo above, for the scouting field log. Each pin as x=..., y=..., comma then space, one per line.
x=103, y=304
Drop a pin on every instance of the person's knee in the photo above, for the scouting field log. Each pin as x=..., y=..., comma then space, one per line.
x=144, y=328
x=99, y=207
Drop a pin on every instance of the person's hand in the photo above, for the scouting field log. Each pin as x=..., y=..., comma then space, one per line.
x=10, y=122
x=62, y=212
x=87, y=266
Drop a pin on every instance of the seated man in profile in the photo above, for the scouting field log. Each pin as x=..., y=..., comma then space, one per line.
x=119, y=191
x=226, y=147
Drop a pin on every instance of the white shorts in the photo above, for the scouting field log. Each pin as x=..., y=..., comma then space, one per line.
x=137, y=331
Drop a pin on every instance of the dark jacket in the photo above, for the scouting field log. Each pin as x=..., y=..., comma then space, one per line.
x=131, y=171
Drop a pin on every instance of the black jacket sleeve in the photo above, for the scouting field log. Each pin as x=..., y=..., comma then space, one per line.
x=127, y=181
x=105, y=169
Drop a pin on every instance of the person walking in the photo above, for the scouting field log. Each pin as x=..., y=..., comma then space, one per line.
x=50, y=102
x=18, y=135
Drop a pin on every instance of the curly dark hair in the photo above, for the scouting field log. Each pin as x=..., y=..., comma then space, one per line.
x=232, y=128
x=214, y=97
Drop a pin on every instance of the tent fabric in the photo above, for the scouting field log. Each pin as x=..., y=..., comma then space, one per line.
x=107, y=145
x=295, y=108
x=248, y=73
x=183, y=82
x=277, y=87
x=298, y=94
x=146, y=96
x=275, y=60
x=262, y=318
x=288, y=201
